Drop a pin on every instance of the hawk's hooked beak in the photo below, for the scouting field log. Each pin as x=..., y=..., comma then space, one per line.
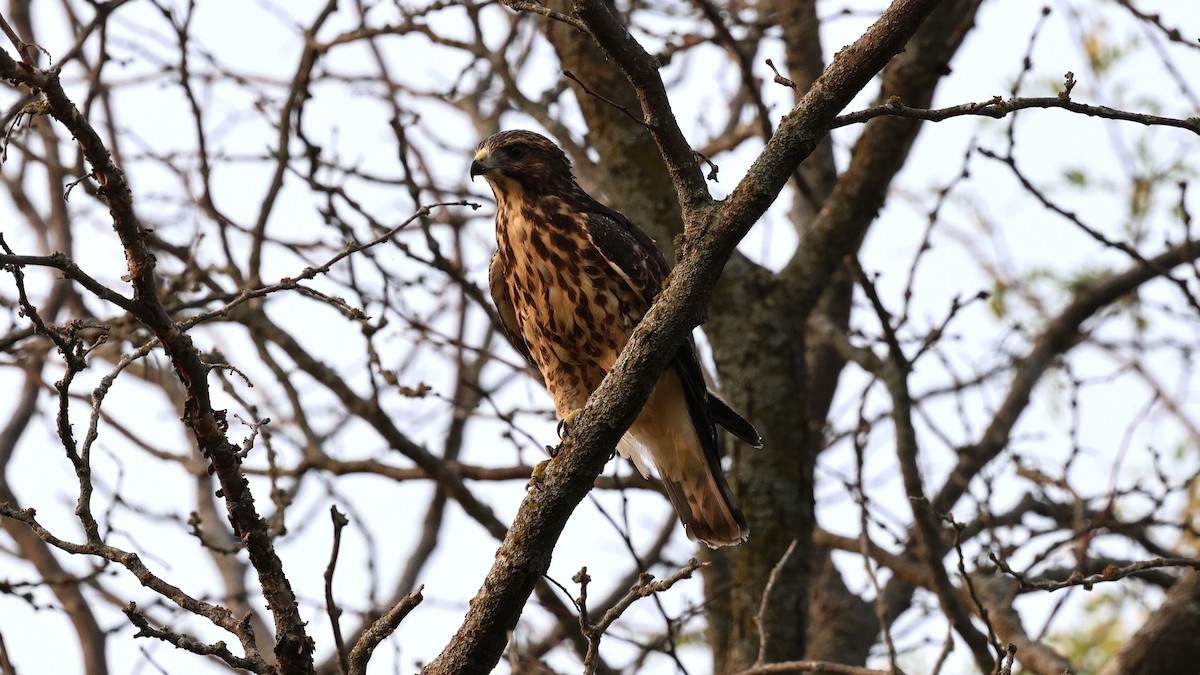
x=478, y=166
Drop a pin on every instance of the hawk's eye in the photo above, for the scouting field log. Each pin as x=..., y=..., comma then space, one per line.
x=517, y=151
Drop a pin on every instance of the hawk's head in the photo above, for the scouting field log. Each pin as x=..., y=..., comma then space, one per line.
x=521, y=160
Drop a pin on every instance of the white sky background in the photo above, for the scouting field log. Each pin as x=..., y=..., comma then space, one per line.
x=263, y=43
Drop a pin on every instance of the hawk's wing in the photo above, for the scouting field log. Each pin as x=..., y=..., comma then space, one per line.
x=504, y=307
x=731, y=421
x=637, y=258
x=628, y=249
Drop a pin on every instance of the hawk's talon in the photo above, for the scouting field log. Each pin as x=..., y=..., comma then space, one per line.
x=565, y=424
x=539, y=470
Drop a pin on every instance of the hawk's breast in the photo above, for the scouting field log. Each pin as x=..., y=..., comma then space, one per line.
x=573, y=310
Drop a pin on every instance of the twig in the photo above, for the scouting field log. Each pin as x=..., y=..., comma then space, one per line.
x=762, y=605
x=779, y=79
x=810, y=667
x=944, y=654
x=69, y=269
x=380, y=630
x=1006, y=662
x=712, y=167
x=534, y=8
x=864, y=542
x=587, y=90
x=1172, y=34
x=1011, y=162
x=998, y=592
x=24, y=48
x=997, y=108
x=188, y=643
x=1110, y=573
x=294, y=648
x=195, y=524
x=1059, y=336
x=927, y=532
x=1027, y=58
x=13, y=263
x=331, y=607
x=293, y=283
x=248, y=442
x=644, y=587
x=220, y=616
x=972, y=593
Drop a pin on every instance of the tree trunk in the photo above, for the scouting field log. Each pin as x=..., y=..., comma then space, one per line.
x=1168, y=644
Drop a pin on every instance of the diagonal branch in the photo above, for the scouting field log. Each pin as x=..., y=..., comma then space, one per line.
x=219, y=616
x=525, y=553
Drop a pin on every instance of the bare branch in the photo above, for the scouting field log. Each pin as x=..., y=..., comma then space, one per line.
x=929, y=537
x=810, y=667
x=219, y=650
x=331, y=608
x=998, y=108
x=534, y=8
x=380, y=630
x=644, y=587
x=294, y=648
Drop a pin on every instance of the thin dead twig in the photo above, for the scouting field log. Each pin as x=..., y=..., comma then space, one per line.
x=644, y=587
x=331, y=607
x=762, y=605
x=380, y=630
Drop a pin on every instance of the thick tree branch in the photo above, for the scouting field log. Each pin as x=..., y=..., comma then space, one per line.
x=642, y=71
x=525, y=553
x=1167, y=644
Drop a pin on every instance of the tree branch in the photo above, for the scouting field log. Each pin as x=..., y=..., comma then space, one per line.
x=525, y=553
x=998, y=108
x=928, y=534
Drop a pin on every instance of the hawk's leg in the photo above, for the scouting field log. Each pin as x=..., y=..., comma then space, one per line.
x=564, y=430
x=535, y=478
x=565, y=424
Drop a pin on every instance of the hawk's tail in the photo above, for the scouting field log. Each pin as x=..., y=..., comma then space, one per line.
x=707, y=508
x=703, y=500
x=664, y=436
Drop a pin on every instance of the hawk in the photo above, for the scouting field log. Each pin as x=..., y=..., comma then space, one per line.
x=571, y=278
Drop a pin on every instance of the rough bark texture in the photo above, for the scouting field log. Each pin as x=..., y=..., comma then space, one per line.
x=630, y=175
x=1167, y=644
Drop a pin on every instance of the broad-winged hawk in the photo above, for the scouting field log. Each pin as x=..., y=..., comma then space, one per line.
x=571, y=278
